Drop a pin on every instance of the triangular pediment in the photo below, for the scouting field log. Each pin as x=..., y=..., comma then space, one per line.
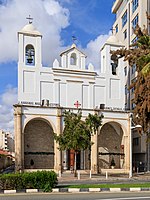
x=72, y=49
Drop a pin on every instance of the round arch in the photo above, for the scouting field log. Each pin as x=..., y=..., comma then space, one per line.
x=49, y=122
x=38, y=144
x=110, y=143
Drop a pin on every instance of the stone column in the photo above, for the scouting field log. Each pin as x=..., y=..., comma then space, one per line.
x=58, y=156
x=18, y=138
x=94, y=154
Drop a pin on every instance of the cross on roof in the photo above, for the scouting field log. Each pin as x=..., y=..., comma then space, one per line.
x=74, y=38
x=77, y=104
x=113, y=30
x=30, y=19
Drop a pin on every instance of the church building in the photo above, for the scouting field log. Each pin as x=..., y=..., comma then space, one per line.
x=44, y=93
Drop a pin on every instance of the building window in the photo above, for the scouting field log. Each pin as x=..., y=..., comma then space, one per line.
x=133, y=106
x=133, y=69
x=136, y=141
x=124, y=19
x=116, y=28
x=126, y=90
x=125, y=106
x=134, y=23
x=135, y=4
x=134, y=46
x=132, y=90
x=125, y=34
x=125, y=71
x=134, y=40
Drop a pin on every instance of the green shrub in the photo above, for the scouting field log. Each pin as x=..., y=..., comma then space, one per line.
x=44, y=180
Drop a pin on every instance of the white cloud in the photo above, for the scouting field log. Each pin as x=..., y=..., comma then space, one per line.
x=49, y=18
x=8, y=98
x=93, y=50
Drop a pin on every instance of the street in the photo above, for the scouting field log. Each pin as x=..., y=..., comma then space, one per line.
x=73, y=196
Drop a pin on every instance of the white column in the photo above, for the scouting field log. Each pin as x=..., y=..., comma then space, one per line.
x=18, y=138
x=57, y=91
x=91, y=95
x=65, y=160
x=58, y=156
x=94, y=154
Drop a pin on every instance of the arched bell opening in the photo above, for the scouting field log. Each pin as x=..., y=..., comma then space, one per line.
x=73, y=59
x=30, y=55
x=38, y=145
x=110, y=147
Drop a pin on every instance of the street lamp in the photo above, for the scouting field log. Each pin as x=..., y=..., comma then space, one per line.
x=131, y=128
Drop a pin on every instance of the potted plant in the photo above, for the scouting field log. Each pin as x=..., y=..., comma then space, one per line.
x=112, y=164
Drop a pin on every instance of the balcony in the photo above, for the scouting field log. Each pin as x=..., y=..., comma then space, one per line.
x=116, y=5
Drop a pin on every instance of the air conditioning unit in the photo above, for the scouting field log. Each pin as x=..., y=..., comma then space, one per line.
x=102, y=106
x=45, y=102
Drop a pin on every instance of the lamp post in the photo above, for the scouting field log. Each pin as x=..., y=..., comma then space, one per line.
x=131, y=128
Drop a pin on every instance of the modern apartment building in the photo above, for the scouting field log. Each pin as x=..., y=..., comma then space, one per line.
x=3, y=140
x=6, y=141
x=129, y=13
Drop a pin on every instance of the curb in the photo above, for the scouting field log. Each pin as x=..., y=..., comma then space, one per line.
x=76, y=190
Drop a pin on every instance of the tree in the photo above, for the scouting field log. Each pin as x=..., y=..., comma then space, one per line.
x=77, y=133
x=94, y=122
x=139, y=54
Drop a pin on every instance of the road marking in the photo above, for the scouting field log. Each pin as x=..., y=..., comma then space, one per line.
x=126, y=198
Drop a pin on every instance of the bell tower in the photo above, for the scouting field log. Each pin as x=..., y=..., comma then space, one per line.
x=29, y=62
x=29, y=46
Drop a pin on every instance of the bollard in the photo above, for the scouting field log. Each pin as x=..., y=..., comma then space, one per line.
x=106, y=175
x=90, y=174
x=137, y=170
x=78, y=175
x=59, y=174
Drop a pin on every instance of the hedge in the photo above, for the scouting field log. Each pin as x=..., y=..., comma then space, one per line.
x=44, y=180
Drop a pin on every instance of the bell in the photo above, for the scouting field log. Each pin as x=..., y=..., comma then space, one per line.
x=30, y=59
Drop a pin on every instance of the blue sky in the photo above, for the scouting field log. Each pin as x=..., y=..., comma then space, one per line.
x=89, y=20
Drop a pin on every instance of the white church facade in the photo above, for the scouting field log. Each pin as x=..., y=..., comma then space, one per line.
x=44, y=93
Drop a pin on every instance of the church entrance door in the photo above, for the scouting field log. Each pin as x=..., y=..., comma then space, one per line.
x=71, y=159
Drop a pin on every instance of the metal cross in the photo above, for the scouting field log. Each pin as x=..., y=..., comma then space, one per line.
x=77, y=104
x=74, y=38
x=113, y=30
x=30, y=19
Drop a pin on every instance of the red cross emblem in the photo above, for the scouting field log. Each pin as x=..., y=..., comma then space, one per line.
x=77, y=104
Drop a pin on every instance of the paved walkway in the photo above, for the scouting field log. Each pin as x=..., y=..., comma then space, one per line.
x=82, y=177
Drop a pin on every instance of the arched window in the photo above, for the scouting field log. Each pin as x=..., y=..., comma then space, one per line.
x=73, y=59
x=30, y=55
x=114, y=64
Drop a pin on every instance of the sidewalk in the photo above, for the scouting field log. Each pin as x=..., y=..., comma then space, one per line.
x=82, y=177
